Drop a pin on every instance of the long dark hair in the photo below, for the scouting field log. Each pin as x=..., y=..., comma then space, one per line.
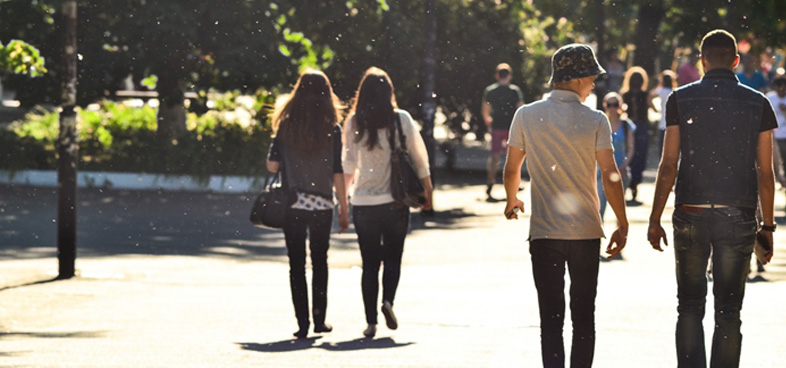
x=373, y=106
x=636, y=79
x=307, y=117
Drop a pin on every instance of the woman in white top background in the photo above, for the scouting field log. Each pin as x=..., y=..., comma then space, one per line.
x=381, y=223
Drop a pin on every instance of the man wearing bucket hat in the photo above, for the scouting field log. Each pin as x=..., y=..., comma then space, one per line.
x=563, y=141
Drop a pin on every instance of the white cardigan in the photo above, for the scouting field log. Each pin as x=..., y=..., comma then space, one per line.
x=372, y=167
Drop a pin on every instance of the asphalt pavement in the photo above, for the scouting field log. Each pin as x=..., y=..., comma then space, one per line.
x=181, y=279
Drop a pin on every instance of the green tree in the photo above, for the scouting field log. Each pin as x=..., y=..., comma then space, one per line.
x=33, y=22
x=196, y=45
x=19, y=57
x=188, y=45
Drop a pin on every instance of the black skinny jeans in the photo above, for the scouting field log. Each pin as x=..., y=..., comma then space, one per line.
x=548, y=267
x=381, y=231
x=317, y=225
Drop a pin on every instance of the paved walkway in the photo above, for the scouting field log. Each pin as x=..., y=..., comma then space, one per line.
x=466, y=299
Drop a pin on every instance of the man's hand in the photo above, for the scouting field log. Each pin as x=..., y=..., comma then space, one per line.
x=510, y=209
x=617, y=241
x=654, y=234
x=768, y=235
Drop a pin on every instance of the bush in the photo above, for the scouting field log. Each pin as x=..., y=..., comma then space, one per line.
x=120, y=137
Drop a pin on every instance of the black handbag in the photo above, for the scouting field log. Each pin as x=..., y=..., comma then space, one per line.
x=269, y=210
x=405, y=186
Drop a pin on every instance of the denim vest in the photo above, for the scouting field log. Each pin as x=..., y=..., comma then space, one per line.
x=720, y=121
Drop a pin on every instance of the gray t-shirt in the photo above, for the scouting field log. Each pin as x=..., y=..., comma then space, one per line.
x=560, y=137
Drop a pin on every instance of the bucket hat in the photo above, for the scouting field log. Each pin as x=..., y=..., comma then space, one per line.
x=574, y=61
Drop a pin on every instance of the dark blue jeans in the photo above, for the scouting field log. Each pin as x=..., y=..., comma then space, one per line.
x=381, y=232
x=549, y=258
x=727, y=234
x=639, y=161
x=316, y=225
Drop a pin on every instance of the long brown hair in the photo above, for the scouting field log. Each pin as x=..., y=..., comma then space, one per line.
x=636, y=79
x=373, y=106
x=306, y=118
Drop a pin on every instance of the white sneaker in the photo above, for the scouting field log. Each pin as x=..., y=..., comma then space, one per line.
x=370, y=331
x=390, y=317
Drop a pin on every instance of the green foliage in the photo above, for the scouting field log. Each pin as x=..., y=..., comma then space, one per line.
x=21, y=58
x=541, y=37
x=33, y=22
x=121, y=138
x=300, y=50
x=244, y=45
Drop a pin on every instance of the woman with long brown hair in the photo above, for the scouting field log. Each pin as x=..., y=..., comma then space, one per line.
x=381, y=223
x=307, y=147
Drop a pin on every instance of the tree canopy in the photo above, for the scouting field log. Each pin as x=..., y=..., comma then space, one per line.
x=195, y=45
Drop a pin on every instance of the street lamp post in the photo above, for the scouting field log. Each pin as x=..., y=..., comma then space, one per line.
x=67, y=147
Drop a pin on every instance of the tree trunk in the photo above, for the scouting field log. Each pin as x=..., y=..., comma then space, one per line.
x=650, y=15
x=429, y=69
x=598, y=14
x=67, y=147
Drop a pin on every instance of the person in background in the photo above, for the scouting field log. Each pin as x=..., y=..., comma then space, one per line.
x=717, y=194
x=307, y=146
x=611, y=81
x=615, y=71
x=638, y=103
x=563, y=142
x=666, y=84
x=777, y=98
x=381, y=223
x=622, y=139
x=750, y=75
x=689, y=72
x=500, y=101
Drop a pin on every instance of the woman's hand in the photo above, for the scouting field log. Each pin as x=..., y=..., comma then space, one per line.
x=429, y=191
x=343, y=219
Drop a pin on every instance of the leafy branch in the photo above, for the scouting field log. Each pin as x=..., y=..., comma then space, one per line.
x=20, y=57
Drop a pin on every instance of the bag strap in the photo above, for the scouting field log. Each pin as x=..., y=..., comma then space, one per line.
x=402, y=139
x=277, y=177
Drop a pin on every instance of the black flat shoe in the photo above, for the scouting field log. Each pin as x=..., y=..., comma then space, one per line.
x=301, y=333
x=323, y=328
x=390, y=317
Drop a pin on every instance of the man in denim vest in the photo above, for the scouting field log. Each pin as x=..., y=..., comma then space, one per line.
x=718, y=145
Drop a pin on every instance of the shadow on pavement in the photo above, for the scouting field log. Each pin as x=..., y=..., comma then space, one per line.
x=364, y=343
x=439, y=220
x=122, y=222
x=282, y=346
x=53, y=335
x=114, y=222
x=31, y=283
x=309, y=343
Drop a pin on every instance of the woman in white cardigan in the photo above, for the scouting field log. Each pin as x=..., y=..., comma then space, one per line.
x=381, y=223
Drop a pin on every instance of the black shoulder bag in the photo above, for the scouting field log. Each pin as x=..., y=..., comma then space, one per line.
x=270, y=207
x=405, y=186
